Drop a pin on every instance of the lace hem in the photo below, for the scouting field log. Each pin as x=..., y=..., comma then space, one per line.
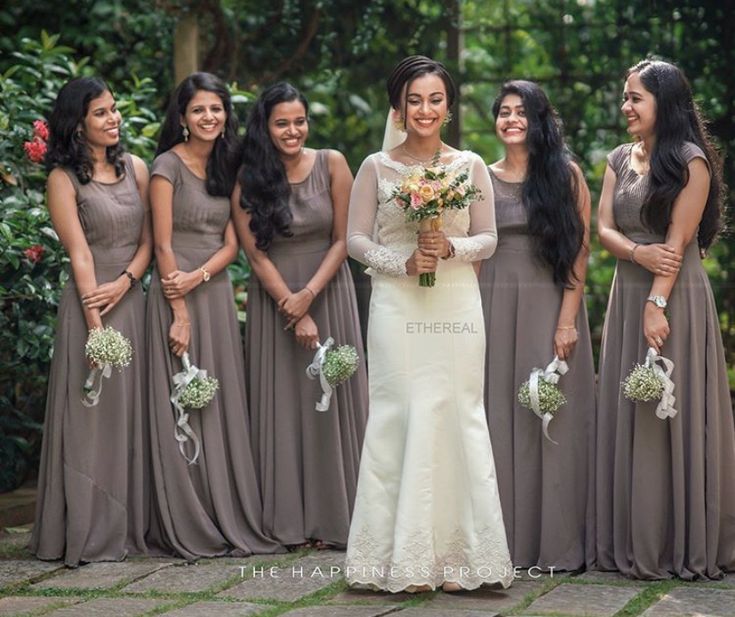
x=485, y=561
x=469, y=249
x=386, y=261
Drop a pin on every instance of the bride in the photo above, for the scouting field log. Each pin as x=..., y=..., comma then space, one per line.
x=427, y=512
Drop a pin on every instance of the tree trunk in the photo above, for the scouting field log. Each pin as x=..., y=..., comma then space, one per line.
x=186, y=47
x=455, y=42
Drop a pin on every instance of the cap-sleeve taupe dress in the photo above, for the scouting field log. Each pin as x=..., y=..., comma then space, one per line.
x=308, y=460
x=93, y=479
x=544, y=488
x=665, y=488
x=212, y=507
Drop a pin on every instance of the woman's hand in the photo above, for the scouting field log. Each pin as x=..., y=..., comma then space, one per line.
x=179, y=335
x=659, y=259
x=434, y=243
x=106, y=295
x=177, y=284
x=565, y=339
x=655, y=326
x=306, y=332
x=419, y=263
x=293, y=307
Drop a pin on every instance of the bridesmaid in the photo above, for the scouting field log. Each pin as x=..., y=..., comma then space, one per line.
x=92, y=486
x=292, y=226
x=213, y=507
x=532, y=291
x=665, y=493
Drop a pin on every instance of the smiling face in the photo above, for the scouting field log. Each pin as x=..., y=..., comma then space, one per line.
x=639, y=107
x=288, y=126
x=426, y=105
x=511, y=125
x=205, y=116
x=101, y=125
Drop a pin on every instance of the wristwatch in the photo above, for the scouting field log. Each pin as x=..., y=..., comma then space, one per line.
x=205, y=275
x=659, y=301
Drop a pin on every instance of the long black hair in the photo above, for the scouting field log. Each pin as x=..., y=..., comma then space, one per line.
x=222, y=163
x=678, y=120
x=411, y=68
x=263, y=178
x=551, y=188
x=67, y=144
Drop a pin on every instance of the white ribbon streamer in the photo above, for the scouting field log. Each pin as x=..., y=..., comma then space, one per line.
x=92, y=393
x=665, y=408
x=315, y=369
x=182, y=430
x=550, y=374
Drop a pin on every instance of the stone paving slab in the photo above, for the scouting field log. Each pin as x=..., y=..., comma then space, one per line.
x=611, y=578
x=366, y=596
x=293, y=581
x=218, y=609
x=15, y=545
x=341, y=611
x=484, y=599
x=107, y=607
x=443, y=612
x=20, y=605
x=19, y=570
x=729, y=580
x=185, y=578
x=583, y=600
x=101, y=575
x=692, y=602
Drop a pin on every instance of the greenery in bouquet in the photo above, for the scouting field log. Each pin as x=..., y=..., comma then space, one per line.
x=107, y=346
x=643, y=385
x=551, y=398
x=340, y=364
x=199, y=392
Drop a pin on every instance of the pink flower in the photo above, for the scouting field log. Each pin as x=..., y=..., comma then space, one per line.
x=416, y=201
x=40, y=129
x=34, y=253
x=35, y=150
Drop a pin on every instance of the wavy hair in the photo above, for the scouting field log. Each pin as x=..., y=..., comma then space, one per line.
x=222, y=163
x=263, y=178
x=67, y=144
x=551, y=188
x=678, y=120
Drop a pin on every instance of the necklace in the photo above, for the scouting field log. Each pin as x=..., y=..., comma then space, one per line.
x=423, y=160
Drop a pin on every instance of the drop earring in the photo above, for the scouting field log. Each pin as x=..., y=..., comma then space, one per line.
x=448, y=118
x=185, y=132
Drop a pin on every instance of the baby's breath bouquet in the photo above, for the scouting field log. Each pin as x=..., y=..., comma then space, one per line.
x=332, y=367
x=650, y=382
x=106, y=348
x=426, y=192
x=193, y=389
x=541, y=394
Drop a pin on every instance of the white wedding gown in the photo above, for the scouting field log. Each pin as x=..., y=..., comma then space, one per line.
x=427, y=509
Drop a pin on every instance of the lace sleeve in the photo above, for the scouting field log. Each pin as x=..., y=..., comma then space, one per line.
x=483, y=237
x=361, y=225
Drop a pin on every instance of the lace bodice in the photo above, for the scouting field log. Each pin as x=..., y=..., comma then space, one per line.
x=378, y=234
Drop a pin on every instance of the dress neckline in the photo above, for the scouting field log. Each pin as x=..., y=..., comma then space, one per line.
x=457, y=156
x=311, y=170
x=185, y=166
x=499, y=179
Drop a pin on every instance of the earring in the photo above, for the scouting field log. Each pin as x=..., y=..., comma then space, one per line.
x=399, y=123
x=185, y=132
x=447, y=118
x=222, y=134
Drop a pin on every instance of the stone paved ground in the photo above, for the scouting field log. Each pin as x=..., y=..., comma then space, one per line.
x=309, y=584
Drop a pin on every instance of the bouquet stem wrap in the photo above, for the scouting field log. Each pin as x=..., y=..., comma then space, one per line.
x=182, y=430
x=665, y=408
x=315, y=369
x=432, y=223
x=552, y=373
x=93, y=392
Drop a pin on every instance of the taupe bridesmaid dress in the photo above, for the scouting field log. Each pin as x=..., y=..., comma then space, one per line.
x=307, y=460
x=665, y=488
x=545, y=489
x=93, y=491
x=212, y=507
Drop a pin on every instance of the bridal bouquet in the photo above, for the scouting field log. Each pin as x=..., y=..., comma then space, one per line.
x=650, y=381
x=106, y=349
x=541, y=394
x=426, y=192
x=193, y=389
x=333, y=367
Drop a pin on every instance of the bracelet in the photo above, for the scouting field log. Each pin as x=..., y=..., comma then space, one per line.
x=566, y=327
x=309, y=289
x=132, y=279
x=451, y=250
x=205, y=274
x=631, y=254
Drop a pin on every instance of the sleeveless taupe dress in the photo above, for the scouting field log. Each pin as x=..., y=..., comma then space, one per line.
x=307, y=460
x=545, y=489
x=93, y=479
x=212, y=507
x=665, y=488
